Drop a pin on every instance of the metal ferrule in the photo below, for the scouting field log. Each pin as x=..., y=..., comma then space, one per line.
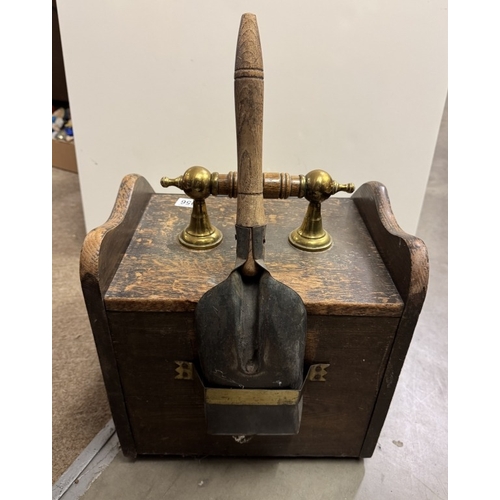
x=250, y=245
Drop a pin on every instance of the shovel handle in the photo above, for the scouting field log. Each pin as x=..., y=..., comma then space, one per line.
x=249, y=107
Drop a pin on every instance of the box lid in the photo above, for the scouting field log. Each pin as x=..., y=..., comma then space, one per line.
x=157, y=273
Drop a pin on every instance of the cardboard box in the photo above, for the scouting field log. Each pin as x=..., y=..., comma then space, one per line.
x=64, y=155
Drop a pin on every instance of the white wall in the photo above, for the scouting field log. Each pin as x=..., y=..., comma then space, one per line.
x=356, y=87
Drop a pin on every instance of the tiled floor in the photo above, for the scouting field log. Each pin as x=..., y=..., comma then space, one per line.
x=411, y=459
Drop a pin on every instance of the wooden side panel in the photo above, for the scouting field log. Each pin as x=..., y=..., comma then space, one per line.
x=105, y=246
x=167, y=415
x=101, y=254
x=406, y=258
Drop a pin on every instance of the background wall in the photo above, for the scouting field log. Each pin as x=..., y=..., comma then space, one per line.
x=356, y=87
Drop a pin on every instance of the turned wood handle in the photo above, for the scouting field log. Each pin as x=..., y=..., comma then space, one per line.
x=249, y=107
x=278, y=185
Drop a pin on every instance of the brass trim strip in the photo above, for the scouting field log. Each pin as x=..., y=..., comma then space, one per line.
x=268, y=397
x=253, y=397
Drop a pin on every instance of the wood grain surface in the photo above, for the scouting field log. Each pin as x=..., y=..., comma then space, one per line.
x=99, y=258
x=249, y=109
x=406, y=258
x=350, y=278
x=101, y=255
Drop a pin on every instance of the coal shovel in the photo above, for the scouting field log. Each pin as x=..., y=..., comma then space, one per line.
x=251, y=329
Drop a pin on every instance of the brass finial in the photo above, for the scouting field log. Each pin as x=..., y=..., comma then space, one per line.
x=196, y=183
x=310, y=235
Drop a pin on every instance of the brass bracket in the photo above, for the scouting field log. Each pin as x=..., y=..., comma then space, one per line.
x=317, y=186
x=311, y=236
x=199, y=234
x=184, y=370
x=317, y=373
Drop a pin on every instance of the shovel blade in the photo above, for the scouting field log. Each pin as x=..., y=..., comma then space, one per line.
x=251, y=333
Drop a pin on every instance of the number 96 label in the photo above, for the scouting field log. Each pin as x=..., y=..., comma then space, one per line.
x=184, y=202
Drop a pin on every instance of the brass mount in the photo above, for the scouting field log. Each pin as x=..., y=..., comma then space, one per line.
x=199, y=234
x=310, y=235
x=316, y=186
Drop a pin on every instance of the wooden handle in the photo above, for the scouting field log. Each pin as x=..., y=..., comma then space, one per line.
x=249, y=107
x=275, y=185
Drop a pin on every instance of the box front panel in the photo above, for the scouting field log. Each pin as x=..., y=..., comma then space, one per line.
x=167, y=414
